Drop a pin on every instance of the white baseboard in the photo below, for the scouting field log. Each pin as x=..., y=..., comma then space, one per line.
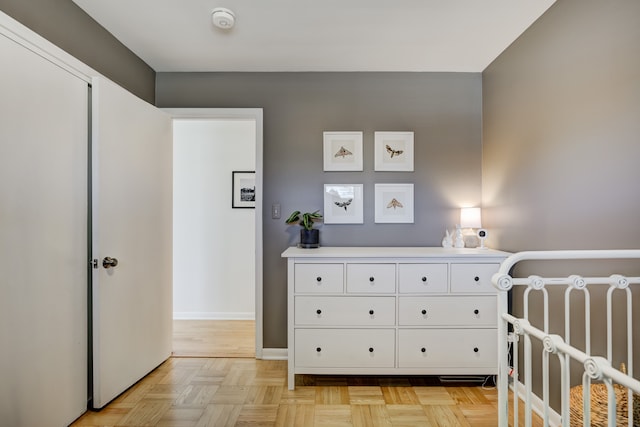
x=207, y=315
x=275, y=354
x=537, y=405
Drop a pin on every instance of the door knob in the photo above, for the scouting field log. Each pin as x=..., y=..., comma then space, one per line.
x=109, y=262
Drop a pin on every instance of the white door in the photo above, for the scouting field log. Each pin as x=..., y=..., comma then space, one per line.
x=132, y=223
x=43, y=240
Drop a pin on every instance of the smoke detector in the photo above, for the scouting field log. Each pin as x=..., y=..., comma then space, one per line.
x=223, y=18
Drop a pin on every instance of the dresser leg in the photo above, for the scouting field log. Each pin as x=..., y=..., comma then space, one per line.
x=291, y=379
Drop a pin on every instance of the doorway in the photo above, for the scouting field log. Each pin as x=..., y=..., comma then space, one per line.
x=217, y=242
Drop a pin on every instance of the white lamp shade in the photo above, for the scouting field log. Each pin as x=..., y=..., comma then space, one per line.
x=470, y=218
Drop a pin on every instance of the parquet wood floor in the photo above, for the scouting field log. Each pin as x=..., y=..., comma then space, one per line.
x=235, y=389
x=215, y=392
x=214, y=338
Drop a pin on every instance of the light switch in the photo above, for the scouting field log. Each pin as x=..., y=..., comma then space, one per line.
x=275, y=211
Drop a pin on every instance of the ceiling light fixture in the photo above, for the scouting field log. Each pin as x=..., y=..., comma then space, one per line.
x=223, y=18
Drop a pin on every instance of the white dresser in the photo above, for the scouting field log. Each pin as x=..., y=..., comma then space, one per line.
x=392, y=310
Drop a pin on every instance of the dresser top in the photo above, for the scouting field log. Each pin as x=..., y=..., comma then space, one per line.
x=392, y=252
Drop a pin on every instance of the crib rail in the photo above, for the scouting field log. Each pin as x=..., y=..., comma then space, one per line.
x=595, y=368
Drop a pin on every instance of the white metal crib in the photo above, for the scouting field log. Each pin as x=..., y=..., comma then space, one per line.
x=521, y=335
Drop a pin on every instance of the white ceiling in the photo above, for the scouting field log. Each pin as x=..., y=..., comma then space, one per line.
x=318, y=35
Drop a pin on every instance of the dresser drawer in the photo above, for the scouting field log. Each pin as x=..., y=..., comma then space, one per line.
x=422, y=278
x=447, y=348
x=319, y=278
x=345, y=348
x=473, y=277
x=371, y=278
x=448, y=311
x=345, y=311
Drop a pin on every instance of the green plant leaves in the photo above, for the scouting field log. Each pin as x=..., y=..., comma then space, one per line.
x=306, y=220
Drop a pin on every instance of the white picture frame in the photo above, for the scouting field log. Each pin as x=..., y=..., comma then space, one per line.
x=342, y=151
x=343, y=204
x=393, y=151
x=394, y=203
x=243, y=189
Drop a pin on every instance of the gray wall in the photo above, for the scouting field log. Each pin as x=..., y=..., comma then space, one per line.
x=561, y=129
x=561, y=126
x=67, y=26
x=443, y=109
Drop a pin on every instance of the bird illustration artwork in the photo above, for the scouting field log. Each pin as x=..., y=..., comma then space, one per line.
x=343, y=204
x=394, y=203
x=343, y=152
x=393, y=152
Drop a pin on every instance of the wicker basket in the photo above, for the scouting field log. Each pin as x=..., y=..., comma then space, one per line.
x=599, y=399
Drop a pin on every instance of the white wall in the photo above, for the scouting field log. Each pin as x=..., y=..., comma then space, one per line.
x=214, y=245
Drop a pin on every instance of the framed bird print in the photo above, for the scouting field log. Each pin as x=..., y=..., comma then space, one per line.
x=393, y=151
x=393, y=203
x=343, y=204
x=342, y=151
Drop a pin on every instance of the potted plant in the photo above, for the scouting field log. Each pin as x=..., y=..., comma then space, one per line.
x=309, y=236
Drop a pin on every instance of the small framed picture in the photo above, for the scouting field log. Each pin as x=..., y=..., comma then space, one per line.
x=394, y=203
x=342, y=151
x=343, y=204
x=243, y=189
x=393, y=151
